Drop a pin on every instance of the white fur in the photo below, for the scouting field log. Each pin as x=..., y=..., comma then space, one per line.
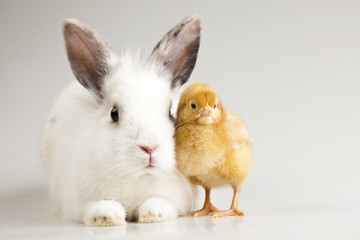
x=104, y=213
x=89, y=158
x=156, y=209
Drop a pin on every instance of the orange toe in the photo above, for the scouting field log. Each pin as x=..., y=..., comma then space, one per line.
x=204, y=211
x=230, y=212
x=200, y=213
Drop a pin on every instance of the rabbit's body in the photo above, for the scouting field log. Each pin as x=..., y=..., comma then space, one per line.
x=108, y=143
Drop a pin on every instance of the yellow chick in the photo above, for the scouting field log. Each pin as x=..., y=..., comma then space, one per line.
x=213, y=147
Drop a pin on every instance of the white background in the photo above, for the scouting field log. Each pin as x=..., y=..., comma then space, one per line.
x=290, y=69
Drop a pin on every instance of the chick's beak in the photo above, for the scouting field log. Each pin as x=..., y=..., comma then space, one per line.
x=206, y=112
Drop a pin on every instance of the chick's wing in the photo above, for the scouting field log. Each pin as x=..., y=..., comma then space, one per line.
x=236, y=131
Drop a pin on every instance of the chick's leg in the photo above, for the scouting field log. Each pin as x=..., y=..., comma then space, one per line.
x=234, y=209
x=207, y=208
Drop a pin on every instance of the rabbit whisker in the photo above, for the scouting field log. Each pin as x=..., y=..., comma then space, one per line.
x=185, y=122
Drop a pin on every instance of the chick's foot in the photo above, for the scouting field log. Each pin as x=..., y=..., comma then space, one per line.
x=230, y=212
x=206, y=210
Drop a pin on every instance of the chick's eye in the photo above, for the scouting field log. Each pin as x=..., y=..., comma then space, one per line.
x=114, y=114
x=214, y=106
x=193, y=105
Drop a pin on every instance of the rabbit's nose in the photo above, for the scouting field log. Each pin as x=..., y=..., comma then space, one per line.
x=148, y=149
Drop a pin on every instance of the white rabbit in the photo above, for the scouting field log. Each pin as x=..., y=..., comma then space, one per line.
x=108, y=144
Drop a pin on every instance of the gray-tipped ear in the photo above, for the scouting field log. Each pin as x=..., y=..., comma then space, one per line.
x=89, y=55
x=178, y=49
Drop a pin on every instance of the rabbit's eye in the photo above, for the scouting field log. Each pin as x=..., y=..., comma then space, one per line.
x=114, y=114
x=214, y=106
x=171, y=118
x=193, y=105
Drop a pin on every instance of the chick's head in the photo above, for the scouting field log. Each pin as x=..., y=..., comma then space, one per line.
x=199, y=104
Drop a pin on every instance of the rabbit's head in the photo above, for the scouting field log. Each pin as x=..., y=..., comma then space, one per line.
x=130, y=120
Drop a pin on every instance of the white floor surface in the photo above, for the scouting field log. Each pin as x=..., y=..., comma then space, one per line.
x=29, y=217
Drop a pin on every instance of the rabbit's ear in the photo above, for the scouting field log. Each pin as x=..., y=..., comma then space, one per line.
x=178, y=49
x=89, y=55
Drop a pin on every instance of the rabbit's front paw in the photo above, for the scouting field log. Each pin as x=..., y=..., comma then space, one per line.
x=156, y=209
x=104, y=213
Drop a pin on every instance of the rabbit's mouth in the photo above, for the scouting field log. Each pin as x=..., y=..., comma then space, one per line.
x=149, y=151
x=148, y=162
x=149, y=166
